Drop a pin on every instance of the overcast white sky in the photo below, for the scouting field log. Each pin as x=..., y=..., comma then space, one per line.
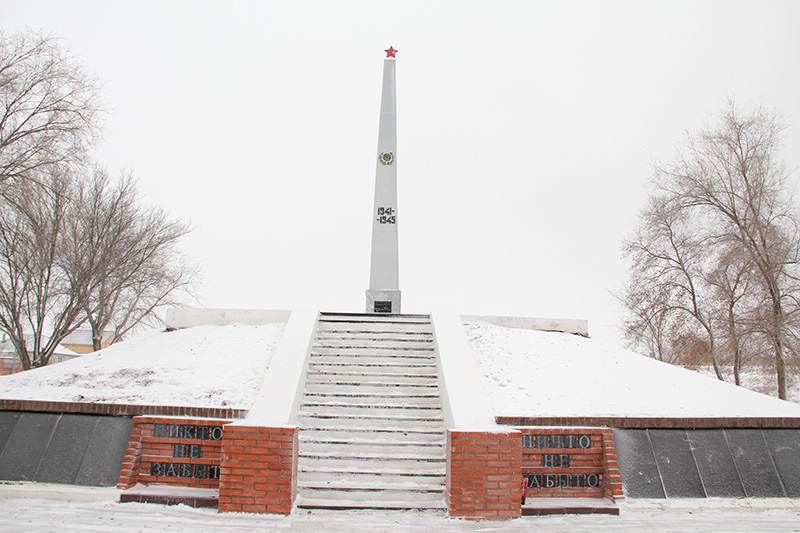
x=527, y=131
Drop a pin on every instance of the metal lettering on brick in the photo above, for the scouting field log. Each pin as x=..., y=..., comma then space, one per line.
x=181, y=431
x=557, y=441
x=184, y=470
x=552, y=481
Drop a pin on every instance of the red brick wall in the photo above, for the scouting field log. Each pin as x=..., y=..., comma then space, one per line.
x=120, y=409
x=259, y=469
x=197, y=465
x=483, y=474
x=613, y=481
x=642, y=422
x=570, y=462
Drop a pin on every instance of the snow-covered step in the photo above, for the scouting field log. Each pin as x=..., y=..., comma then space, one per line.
x=372, y=377
x=413, y=360
x=363, y=341
x=321, y=349
x=394, y=422
x=375, y=495
x=370, y=433
x=355, y=462
x=362, y=503
x=377, y=367
x=383, y=399
x=337, y=477
x=352, y=327
x=395, y=448
x=376, y=335
x=358, y=410
x=367, y=387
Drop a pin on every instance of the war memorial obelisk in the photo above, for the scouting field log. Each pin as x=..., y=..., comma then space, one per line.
x=383, y=295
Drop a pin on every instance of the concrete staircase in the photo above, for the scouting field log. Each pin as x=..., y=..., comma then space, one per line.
x=371, y=429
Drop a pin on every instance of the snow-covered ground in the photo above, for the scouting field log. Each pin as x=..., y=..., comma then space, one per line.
x=537, y=373
x=759, y=379
x=525, y=373
x=202, y=366
x=34, y=515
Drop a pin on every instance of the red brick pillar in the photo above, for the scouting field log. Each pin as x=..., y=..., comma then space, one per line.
x=129, y=473
x=258, y=471
x=613, y=484
x=484, y=472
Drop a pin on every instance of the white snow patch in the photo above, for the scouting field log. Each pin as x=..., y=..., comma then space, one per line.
x=203, y=366
x=537, y=373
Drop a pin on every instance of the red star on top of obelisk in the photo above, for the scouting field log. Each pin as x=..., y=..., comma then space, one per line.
x=390, y=52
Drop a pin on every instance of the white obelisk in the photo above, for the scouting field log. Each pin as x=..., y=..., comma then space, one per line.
x=383, y=295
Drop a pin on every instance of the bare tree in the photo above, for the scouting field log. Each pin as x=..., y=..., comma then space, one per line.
x=75, y=248
x=73, y=245
x=669, y=262
x=731, y=171
x=738, y=251
x=49, y=111
x=132, y=251
x=41, y=297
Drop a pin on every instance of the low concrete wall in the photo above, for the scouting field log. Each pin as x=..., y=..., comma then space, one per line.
x=563, y=325
x=465, y=404
x=187, y=317
x=281, y=392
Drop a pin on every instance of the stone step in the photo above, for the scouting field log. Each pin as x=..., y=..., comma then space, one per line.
x=304, y=502
x=374, y=463
x=373, y=370
x=372, y=377
x=358, y=342
x=373, y=434
x=379, y=422
x=336, y=409
x=362, y=327
x=377, y=359
x=376, y=495
x=430, y=398
x=377, y=335
x=332, y=477
x=377, y=438
x=320, y=349
x=361, y=317
x=394, y=449
x=368, y=387
x=364, y=400
x=380, y=368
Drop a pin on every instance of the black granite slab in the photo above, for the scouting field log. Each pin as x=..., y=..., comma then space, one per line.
x=8, y=421
x=676, y=463
x=25, y=448
x=63, y=458
x=715, y=463
x=784, y=446
x=104, y=455
x=754, y=462
x=637, y=464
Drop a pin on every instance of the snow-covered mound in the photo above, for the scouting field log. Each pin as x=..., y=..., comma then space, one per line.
x=537, y=373
x=202, y=366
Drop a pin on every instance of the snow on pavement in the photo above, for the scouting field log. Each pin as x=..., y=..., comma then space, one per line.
x=36, y=515
x=202, y=366
x=538, y=373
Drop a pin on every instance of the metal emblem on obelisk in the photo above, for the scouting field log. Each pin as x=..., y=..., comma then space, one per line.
x=383, y=295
